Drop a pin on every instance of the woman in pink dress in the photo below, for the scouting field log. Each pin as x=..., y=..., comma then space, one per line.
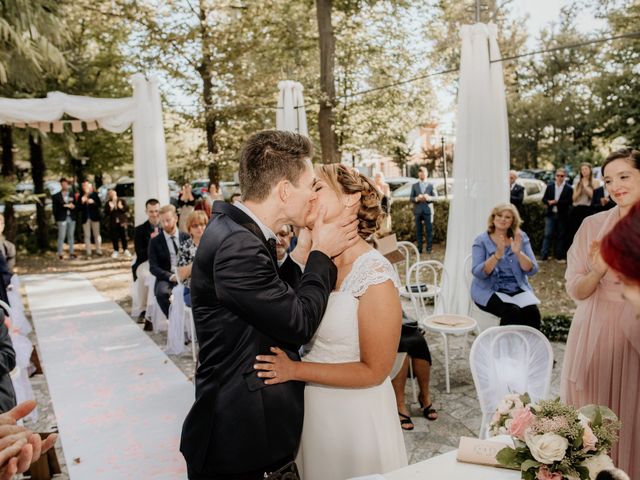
x=602, y=358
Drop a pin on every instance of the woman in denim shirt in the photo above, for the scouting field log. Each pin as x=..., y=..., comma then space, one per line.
x=502, y=261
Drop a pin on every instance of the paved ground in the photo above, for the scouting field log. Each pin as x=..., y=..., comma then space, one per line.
x=459, y=411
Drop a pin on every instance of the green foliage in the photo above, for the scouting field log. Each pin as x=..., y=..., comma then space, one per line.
x=404, y=225
x=556, y=327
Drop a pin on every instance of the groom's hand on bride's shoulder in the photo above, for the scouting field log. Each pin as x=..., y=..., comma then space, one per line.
x=334, y=237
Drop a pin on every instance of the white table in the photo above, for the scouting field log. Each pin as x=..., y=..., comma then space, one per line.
x=446, y=467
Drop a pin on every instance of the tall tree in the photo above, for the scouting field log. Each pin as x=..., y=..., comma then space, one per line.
x=326, y=114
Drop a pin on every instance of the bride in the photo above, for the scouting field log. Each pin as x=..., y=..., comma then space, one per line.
x=350, y=423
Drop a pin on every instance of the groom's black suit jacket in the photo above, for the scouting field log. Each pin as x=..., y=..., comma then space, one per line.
x=241, y=308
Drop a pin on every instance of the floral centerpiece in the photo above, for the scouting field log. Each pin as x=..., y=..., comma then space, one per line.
x=554, y=441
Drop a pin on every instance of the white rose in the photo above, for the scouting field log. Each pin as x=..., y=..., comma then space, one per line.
x=597, y=464
x=504, y=406
x=547, y=448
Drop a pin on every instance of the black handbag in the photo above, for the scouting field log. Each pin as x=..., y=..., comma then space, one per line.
x=288, y=472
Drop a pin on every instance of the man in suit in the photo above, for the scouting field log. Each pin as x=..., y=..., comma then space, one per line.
x=63, y=205
x=143, y=234
x=90, y=207
x=516, y=191
x=239, y=428
x=422, y=195
x=558, y=198
x=164, y=249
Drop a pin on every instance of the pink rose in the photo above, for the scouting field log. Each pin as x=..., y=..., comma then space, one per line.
x=545, y=474
x=522, y=418
x=589, y=440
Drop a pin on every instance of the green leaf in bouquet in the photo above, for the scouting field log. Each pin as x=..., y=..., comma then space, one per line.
x=525, y=398
x=529, y=475
x=596, y=413
x=508, y=457
x=577, y=442
x=583, y=472
x=529, y=464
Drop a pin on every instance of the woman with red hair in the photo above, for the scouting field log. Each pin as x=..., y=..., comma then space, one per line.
x=620, y=249
x=602, y=358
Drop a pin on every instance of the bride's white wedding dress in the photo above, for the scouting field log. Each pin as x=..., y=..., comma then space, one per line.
x=349, y=431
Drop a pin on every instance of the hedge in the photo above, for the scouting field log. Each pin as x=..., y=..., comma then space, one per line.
x=404, y=223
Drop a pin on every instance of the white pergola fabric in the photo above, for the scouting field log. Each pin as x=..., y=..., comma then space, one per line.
x=290, y=114
x=143, y=111
x=481, y=163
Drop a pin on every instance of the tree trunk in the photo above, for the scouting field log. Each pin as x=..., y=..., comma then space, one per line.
x=37, y=173
x=8, y=172
x=326, y=115
x=206, y=73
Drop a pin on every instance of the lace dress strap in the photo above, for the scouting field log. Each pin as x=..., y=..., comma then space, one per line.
x=370, y=268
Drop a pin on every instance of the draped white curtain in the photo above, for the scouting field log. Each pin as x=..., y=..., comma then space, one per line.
x=143, y=111
x=481, y=162
x=291, y=114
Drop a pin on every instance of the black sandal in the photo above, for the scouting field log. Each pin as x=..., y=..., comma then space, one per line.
x=405, y=421
x=429, y=410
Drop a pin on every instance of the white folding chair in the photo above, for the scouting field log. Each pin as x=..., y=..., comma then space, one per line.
x=175, y=333
x=425, y=280
x=484, y=319
x=411, y=256
x=509, y=359
x=18, y=318
x=154, y=313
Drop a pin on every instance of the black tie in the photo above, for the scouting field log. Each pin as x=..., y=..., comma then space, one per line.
x=175, y=247
x=271, y=243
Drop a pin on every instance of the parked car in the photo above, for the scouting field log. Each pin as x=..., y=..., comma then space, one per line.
x=397, y=182
x=533, y=189
x=404, y=192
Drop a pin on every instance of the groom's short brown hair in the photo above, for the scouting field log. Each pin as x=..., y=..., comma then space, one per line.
x=268, y=157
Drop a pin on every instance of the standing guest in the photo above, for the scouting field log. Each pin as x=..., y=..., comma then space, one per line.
x=601, y=200
x=557, y=197
x=7, y=363
x=583, y=191
x=90, y=207
x=142, y=235
x=63, y=206
x=422, y=195
x=186, y=205
x=163, y=256
x=236, y=197
x=213, y=194
x=7, y=249
x=195, y=224
x=501, y=264
x=516, y=191
x=116, y=211
x=602, y=357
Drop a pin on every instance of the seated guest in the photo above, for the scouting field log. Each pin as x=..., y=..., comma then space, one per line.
x=7, y=248
x=7, y=363
x=195, y=225
x=142, y=235
x=163, y=256
x=413, y=342
x=502, y=262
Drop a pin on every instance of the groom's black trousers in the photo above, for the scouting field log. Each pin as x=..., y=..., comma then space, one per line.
x=255, y=475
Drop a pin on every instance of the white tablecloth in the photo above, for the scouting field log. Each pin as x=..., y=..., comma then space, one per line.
x=446, y=467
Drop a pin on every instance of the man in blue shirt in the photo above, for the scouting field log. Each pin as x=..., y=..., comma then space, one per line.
x=422, y=195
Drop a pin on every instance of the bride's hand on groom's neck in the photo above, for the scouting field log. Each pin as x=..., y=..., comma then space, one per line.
x=303, y=247
x=334, y=237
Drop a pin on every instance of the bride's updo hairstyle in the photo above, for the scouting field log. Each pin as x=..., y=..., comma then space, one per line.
x=346, y=181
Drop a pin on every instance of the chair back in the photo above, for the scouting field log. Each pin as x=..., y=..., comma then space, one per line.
x=485, y=319
x=426, y=278
x=411, y=256
x=176, y=329
x=509, y=359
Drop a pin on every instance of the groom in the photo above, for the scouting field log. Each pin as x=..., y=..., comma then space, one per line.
x=238, y=428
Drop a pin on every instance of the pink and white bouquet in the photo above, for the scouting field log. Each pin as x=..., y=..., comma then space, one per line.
x=554, y=441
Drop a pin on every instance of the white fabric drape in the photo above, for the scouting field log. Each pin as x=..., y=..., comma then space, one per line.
x=481, y=161
x=290, y=114
x=143, y=111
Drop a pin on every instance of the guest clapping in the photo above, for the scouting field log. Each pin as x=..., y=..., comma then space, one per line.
x=186, y=205
x=502, y=262
x=116, y=211
x=195, y=225
x=90, y=206
x=583, y=191
x=602, y=357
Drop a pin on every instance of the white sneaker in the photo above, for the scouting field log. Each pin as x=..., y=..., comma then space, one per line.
x=115, y=254
x=127, y=253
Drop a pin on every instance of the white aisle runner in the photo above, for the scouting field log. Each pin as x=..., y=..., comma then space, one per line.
x=118, y=399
